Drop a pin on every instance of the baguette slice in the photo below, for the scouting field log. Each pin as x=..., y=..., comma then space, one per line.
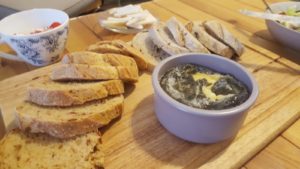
x=93, y=58
x=183, y=37
x=120, y=47
x=144, y=44
x=162, y=38
x=69, y=121
x=214, y=45
x=39, y=151
x=50, y=93
x=66, y=72
x=218, y=31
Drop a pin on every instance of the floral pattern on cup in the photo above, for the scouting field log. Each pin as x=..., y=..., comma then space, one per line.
x=34, y=48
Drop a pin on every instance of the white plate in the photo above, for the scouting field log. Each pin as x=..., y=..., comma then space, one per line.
x=122, y=30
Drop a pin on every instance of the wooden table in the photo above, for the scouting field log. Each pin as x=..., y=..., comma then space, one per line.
x=275, y=68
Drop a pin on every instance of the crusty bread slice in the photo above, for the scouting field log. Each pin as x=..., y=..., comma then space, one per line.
x=23, y=150
x=161, y=37
x=67, y=72
x=183, y=37
x=93, y=58
x=120, y=47
x=50, y=93
x=153, y=53
x=214, y=45
x=218, y=31
x=68, y=121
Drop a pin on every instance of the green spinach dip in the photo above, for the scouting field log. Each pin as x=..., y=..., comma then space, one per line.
x=203, y=88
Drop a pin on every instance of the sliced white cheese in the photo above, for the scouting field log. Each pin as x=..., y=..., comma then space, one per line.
x=127, y=10
x=131, y=16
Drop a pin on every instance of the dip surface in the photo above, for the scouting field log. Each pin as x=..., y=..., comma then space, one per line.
x=203, y=88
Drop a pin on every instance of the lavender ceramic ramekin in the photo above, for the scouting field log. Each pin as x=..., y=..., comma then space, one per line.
x=199, y=125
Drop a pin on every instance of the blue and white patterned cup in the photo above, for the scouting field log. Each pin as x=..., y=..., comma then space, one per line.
x=38, y=49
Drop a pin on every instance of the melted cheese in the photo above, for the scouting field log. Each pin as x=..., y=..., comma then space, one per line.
x=212, y=79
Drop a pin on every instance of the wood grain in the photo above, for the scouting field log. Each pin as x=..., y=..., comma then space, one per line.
x=293, y=134
x=279, y=154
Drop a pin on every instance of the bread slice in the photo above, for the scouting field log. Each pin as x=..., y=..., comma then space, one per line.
x=120, y=47
x=214, y=45
x=39, y=151
x=152, y=52
x=218, y=31
x=50, y=93
x=183, y=37
x=93, y=58
x=161, y=37
x=68, y=121
x=67, y=72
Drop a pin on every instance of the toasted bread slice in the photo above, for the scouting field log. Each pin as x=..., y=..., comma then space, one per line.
x=144, y=44
x=120, y=47
x=35, y=151
x=84, y=72
x=183, y=37
x=68, y=121
x=214, y=45
x=162, y=38
x=218, y=31
x=50, y=93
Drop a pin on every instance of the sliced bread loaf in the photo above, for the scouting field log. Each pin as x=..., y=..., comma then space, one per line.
x=120, y=47
x=50, y=93
x=218, y=31
x=93, y=58
x=152, y=52
x=39, y=151
x=67, y=72
x=214, y=45
x=183, y=37
x=69, y=121
x=162, y=37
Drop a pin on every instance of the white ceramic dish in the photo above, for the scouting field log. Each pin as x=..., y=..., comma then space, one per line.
x=199, y=125
x=285, y=36
x=122, y=30
x=38, y=49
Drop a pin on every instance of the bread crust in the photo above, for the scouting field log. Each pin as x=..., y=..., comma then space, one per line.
x=120, y=47
x=153, y=53
x=183, y=37
x=68, y=94
x=161, y=37
x=214, y=45
x=219, y=32
x=67, y=128
x=93, y=58
x=67, y=72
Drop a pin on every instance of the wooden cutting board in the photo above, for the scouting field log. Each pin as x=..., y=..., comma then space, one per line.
x=137, y=140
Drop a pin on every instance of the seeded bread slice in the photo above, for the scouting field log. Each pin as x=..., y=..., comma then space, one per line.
x=69, y=121
x=67, y=72
x=39, y=151
x=50, y=93
x=120, y=47
x=93, y=58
